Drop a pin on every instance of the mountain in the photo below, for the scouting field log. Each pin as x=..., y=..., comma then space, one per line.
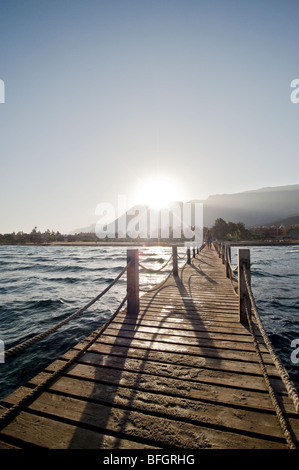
x=144, y=221
x=287, y=222
x=255, y=207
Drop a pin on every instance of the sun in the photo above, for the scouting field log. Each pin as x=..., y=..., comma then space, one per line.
x=157, y=193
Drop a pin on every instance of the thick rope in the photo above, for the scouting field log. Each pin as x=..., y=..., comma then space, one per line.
x=282, y=421
x=27, y=400
x=232, y=276
x=157, y=286
x=235, y=290
x=233, y=279
x=291, y=389
x=231, y=268
x=155, y=270
x=228, y=260
x=26, y=344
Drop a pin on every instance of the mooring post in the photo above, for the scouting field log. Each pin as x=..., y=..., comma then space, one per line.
x=223, y=253
x=243, y=263
x=188, y=256
x=132, y=282
x=228, y=260
x=174, y=260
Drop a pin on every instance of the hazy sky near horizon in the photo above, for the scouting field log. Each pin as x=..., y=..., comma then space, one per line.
x=101, y=95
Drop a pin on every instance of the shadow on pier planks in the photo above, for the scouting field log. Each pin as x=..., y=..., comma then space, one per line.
x=182, y=374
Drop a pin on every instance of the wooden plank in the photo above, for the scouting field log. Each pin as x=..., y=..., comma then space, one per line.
x=204, y=339
x=192, y=372
x=183, y=373
x=6, y=445
x=177, y=324
x=50, y=433
x=158, y=431
x=176, y=357
x=162, y=405
x=142, y=379
x=171, y=329
x=237, y=355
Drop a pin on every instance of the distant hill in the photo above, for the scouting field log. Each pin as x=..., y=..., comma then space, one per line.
x=287, y=222
x=265, y=206
x=257, y=207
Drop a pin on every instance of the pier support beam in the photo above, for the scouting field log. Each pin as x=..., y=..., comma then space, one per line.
x=244, y=263
x=227, y=259
x=174, y=260
x=132, y=282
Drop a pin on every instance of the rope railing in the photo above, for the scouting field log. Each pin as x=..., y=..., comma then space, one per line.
x=14, y=351
x=277, y=408
x=247, y=308
x=291, y=389
x=158, y=286
x=224, y=252
x=132, y=297
x=11, y=412
x=156, y=270
x=230, y=270
x=174, y=258
x=228, y=260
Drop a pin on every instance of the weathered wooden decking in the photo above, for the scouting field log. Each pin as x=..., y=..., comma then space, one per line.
x=183, y=374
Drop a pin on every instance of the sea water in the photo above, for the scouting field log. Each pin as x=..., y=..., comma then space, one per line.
x=275, y=283
x=42, y=285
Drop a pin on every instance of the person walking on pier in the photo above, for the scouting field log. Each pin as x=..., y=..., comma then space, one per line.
x=208, y=239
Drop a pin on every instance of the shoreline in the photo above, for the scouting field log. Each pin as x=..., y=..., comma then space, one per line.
x=146, y=243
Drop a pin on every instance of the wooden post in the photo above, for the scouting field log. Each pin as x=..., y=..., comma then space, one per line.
x=132, y=282
x=244, y=261
x=188, y=256
x=174, y=260
x=193, y=252
x=228, y=260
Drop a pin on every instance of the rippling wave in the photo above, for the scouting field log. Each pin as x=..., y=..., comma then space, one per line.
x=275, y=281
x=41, y=286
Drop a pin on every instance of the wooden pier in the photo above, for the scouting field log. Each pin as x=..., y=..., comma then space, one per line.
x=182, y=373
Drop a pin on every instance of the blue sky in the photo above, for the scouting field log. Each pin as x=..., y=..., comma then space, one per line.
x=101, y=95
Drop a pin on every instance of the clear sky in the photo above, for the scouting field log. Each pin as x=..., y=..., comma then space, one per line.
x=101, y=95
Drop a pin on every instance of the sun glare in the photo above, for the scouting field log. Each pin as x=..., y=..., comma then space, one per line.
x=157, y=193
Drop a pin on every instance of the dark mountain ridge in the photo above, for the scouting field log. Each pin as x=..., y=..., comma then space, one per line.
x=265, y=206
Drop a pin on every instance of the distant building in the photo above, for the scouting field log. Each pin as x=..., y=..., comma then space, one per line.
x=270, y=232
